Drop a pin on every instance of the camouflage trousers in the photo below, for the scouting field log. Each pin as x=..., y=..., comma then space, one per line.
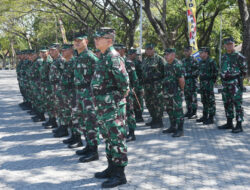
x=54, y=100
x=190, y=92
x=85, y=116
x=153, y=99
x=131, y=123
x=232, y=98
x=207, y=97
x=138, y=109
x=46, y=95
x=111, y=115
x=174, y=108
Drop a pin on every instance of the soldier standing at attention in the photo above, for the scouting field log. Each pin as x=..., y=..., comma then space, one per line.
x=110, y=86
x=233, y=71
x=87, y=122
x=191, y=68
x=208, y=72
x=173, y=87
x=153, y=74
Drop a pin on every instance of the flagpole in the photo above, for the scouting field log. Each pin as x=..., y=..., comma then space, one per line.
x=140, y=26
x=220, y=46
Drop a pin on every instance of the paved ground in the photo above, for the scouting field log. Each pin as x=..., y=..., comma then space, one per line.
x=205, y=158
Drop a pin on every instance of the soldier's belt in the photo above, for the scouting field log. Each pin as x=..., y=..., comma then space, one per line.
x=82, y=86
x=104, y=91
x=190, y=77
x=206, y=78
x=150, y=81
x=228, y=78
x=68, y=86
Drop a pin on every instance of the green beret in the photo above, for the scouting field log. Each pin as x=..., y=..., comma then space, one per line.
x=67, y=46
x=119, y=46
x=187, y=48
x=54, y=46
x=105, y=32
x=80, y=36
x=132, y=51
x=205, y=49
x=32, y=51
x=229, y=40
x=43, y=49
x=170, y=50
x=150, y=45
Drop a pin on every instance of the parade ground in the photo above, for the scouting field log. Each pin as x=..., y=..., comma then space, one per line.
x=204, y=159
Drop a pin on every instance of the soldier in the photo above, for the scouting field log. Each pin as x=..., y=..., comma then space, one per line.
x=233, y=71
x=87, y=121
x=153, y=74
x=173, y=87
x=208, y=74
x=191, y=68
x=110, y=86
x=134, y=83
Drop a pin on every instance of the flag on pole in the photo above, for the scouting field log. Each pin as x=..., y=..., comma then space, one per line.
x=191, y=12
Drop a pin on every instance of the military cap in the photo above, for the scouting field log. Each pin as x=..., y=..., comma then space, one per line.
x=67, y=46
x=54, y=46
x=80, y=36
x=43, y=49
x=150, y=45
x=170, y=50
x=187, y=48
x=119, y=46
x=132, y=51
x=32, y=51
x=205, y=49
x=105, y=32
x=229, y=40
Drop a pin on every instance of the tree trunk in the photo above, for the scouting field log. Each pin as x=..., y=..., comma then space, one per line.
x=244, y=8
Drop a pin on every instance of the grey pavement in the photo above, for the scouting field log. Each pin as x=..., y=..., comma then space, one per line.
x=204, y=159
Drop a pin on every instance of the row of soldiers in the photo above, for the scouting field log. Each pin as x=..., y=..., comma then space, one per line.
x=89, y=93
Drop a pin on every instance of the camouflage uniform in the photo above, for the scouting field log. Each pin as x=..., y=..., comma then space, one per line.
x=172, y=93
x=233, y=69
x=109, y=85
x=208, y=72
x=152, y=74
x=191, y=68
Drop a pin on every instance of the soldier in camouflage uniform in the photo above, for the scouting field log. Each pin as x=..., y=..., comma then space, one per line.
x=134, y=83
x=153, y=74
x=208, y=74
x=233, y=70
x=191, y=68
x=173, y=87
x=110, y=86
x=87, y=121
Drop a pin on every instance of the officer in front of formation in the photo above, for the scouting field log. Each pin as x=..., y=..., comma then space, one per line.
x=208, y=72
x=233, y=71
x=173, y=87
x=153, y=74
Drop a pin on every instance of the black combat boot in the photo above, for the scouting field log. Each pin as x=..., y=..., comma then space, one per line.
x=47, y=123
x=84, y=151
x=53, y=124
x=202, y=119
x=91, y=156
x=171, y=129
x=238, y=128
x=117, y=178
x=131, y=135
x=62, y=131
x=138, y=117
x=158, y=124
x=77, y=141
x=71, y=139
x=40, y=117
x=179, y=132
x=228, y=125
x=151, y=122
x=209, y=121
x=189, y=112
x=193, y=114
x=107, y=172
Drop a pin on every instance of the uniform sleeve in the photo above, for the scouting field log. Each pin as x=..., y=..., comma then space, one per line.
x=120, y=74
x=179, y=70
x=162, y=62
x=134, y=77
x=214, y=71
x=195, y=69
x=243, y=65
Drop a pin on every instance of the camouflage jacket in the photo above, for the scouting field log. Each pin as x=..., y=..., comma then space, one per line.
x=130, y=67
x=67, y=80
x=138, y=69
x=110, y=75
x=44, y=69
x=233, y=66
x=172, y=73
x=191, y=67
x=152, y=69
x=56, y=70
x=208, y=70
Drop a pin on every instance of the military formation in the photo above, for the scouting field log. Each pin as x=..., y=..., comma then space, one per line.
x=102, y=92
